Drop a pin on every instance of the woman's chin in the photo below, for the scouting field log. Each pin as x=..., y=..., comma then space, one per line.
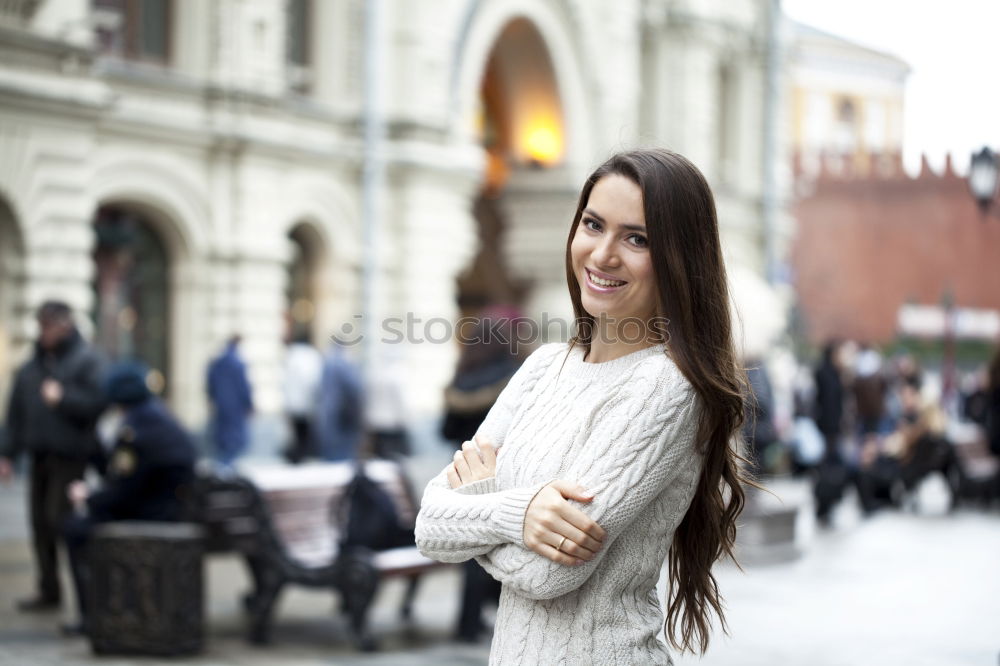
x=598, y=311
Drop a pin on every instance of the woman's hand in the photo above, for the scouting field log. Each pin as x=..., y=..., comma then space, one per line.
x=559, y=531
x=471, y=466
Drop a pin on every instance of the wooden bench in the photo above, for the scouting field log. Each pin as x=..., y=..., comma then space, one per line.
x=286, y=523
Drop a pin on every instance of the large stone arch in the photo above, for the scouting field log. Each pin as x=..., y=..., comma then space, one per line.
x=536, y=205
x=176, y=208
x=481, y=30
x=178, y=204
x=330, y=212
x=17, y=176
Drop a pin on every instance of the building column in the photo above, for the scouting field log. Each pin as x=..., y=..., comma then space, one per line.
x=429, y=237
x=58, y=237
x=190, y=345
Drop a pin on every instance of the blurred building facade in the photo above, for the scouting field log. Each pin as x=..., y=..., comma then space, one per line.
x=882, y=256
x=184, y=170
x=845, y=103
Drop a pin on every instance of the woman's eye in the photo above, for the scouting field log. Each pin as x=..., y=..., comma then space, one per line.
x=639, y=241
x=592, y=224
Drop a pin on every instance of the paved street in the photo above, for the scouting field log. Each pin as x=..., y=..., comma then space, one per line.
x=906, y=588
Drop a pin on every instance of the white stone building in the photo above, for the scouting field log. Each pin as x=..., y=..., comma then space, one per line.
x=186, y=169
x=845, y=102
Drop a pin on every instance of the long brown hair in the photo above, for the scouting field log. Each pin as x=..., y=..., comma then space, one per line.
x=690, y=274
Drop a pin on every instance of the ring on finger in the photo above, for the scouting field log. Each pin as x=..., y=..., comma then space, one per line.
x=559, y=547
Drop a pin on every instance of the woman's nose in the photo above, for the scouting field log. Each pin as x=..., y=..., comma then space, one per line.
x=605, y=253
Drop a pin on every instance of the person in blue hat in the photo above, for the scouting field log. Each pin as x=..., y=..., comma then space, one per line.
x=151, y=463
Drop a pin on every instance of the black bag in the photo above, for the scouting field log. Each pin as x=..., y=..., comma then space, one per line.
x=371, y=520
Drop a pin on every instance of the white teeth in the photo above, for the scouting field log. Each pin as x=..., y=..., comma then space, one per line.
x=604, y=283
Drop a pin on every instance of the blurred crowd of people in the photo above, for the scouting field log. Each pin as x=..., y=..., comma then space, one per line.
x=72, y=415
x=858, y=421
x=877, y=425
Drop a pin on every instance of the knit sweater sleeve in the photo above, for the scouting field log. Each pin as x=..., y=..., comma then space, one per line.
x=454, y=525
x=641, y=438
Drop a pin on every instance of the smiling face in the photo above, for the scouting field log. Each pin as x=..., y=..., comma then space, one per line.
x=610, y=252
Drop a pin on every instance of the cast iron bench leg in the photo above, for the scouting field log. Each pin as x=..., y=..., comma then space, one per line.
x=269, y=586
x=406, y=611
x=255, y=566
x=357, y=581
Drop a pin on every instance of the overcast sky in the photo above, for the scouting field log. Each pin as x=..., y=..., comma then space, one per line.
x=953, y=92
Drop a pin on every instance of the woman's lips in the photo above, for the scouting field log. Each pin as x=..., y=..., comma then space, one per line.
x=601, y=289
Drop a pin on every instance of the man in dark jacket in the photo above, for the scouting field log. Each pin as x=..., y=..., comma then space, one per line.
x=150, y=466
x=54, y=405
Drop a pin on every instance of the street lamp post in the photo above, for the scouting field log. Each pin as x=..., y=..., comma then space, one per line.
x=984, y=171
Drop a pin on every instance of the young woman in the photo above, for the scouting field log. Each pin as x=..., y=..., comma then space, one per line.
x=605, y=456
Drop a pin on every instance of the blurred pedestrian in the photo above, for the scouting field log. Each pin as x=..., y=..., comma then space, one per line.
x=340, y=415
x=869, y=389
x=303, y=371
x=807, y=444
x=975, y=397
x=232, y=403
x=903, y=370
x=54, y=406
x=485, y=366
x=759, y=430
x=385, y=406
x=151, y=468
x=919, y=442
x=829, y=412
x=993, y=408
x=832, y=474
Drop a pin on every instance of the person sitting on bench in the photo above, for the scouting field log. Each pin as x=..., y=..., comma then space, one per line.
x=151, y=463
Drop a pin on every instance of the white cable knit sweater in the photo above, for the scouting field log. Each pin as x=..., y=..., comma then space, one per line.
x=624, y=429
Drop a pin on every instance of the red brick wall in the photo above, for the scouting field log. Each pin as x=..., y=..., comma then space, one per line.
x=867, y=245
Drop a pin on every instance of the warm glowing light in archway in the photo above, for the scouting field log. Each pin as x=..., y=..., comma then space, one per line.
x=543, y=141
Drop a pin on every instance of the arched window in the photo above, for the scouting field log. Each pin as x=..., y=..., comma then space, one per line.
x=131, y=305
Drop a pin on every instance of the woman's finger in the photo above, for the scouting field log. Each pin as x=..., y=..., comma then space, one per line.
x=582, y=522
x=472, y=458
x=557, y=556
x=573, y=491
x=487, y=451
x=462, y=467
x=578, y=543
x=453, y=479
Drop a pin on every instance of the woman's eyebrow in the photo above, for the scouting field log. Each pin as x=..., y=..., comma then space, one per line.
x=626, y=227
